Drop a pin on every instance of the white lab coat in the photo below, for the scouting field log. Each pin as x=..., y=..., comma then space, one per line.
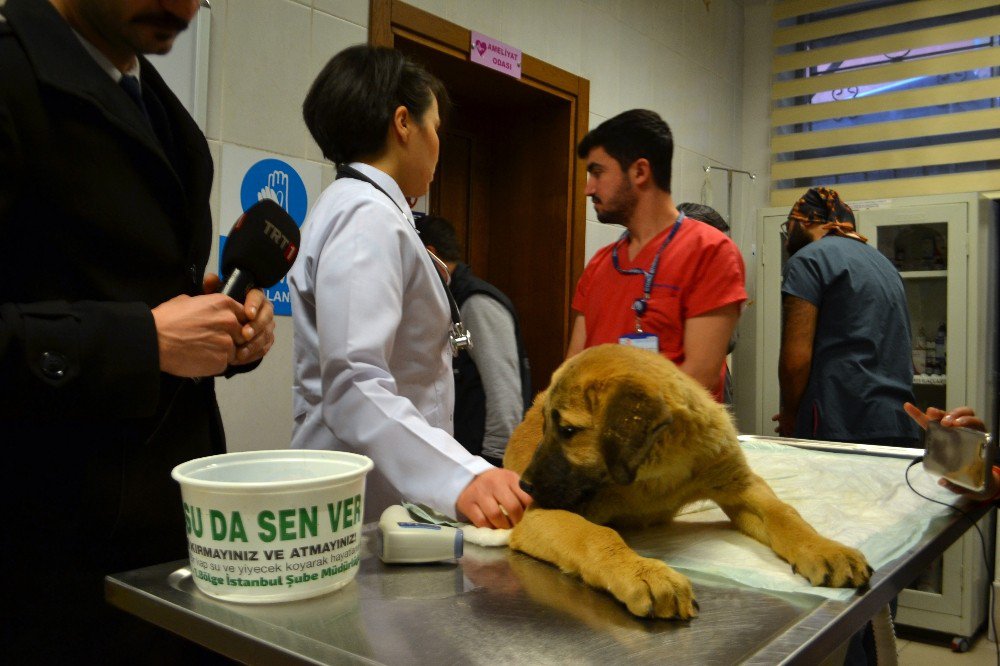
x=372, y=358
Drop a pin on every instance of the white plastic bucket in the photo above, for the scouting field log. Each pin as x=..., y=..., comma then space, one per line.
x=269, y=526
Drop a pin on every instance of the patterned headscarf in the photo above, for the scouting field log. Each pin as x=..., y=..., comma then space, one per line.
x=821, y=205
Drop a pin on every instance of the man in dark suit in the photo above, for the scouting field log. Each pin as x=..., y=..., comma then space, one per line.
x=109, y=331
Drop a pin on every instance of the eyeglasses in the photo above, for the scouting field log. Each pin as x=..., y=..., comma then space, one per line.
x=784, y=230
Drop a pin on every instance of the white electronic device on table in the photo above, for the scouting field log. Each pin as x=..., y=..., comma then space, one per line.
x=402, y=540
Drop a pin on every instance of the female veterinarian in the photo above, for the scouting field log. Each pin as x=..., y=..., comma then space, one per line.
x=372, y=312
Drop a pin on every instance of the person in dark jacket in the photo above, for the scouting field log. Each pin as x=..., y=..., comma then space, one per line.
x=109, y=333
x=493, y=379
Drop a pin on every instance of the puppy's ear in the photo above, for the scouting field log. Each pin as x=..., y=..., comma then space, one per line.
x=633, y=417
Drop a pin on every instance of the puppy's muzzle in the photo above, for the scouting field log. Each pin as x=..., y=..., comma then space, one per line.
x=554, y=483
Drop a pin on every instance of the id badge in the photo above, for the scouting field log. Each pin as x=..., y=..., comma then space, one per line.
x=641, y=340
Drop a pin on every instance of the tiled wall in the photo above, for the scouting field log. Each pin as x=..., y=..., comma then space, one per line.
x=682, y=58
x=755, y=141
x=263, y=56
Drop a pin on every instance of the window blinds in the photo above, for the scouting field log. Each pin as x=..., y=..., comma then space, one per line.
x=885, y=98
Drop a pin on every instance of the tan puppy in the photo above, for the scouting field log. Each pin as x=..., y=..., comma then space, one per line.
x=623, y=437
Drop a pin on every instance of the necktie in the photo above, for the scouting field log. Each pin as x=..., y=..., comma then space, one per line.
x=130, y=85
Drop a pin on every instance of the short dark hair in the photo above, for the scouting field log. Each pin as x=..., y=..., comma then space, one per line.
x=351, y=103
x=440, y=233
x=630, y=136
x=705, y=214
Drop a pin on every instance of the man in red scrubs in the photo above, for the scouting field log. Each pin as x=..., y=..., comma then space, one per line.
x=669, y=284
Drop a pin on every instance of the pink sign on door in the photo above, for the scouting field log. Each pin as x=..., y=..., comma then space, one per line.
x=495, y=55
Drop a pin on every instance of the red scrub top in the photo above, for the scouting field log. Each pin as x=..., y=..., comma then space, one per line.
x=700, y=270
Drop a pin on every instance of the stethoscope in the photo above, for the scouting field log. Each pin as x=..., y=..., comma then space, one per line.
x=640, y=305
x=459, y=337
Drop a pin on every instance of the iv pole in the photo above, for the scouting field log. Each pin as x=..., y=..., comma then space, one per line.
x=729, y=199
x=729, y=185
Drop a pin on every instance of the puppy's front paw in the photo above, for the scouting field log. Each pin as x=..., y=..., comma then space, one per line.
x=649, y=588
x=827, y=563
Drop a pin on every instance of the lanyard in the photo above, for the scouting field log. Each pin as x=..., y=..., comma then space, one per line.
x=640, y=304
x=460, y=338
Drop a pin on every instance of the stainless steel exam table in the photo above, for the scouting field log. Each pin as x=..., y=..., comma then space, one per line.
x=497, y=606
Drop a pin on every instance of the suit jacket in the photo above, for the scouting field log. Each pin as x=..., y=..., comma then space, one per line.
x=99, y=225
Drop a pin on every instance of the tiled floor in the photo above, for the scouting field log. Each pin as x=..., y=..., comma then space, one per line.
x=914, y=653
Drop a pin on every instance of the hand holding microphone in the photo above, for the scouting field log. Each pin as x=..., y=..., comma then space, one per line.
x=257, y=319
x=259, y=252
x=201, y=335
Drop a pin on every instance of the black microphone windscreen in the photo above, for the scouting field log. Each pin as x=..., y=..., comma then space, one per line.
x=264, y=243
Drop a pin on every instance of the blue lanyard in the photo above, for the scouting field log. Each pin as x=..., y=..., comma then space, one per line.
x=640, y=304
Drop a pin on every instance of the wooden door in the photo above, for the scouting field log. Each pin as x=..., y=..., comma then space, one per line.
x=508, y=177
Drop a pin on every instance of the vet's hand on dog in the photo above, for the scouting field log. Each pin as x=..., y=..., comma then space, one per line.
x=494, y=499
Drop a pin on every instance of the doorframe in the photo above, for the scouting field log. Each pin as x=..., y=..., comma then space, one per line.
x=389, y=18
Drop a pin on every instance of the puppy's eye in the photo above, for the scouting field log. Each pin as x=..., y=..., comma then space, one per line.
x=567, y=431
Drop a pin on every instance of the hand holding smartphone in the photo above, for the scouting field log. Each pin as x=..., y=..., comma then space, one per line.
x=962, y=456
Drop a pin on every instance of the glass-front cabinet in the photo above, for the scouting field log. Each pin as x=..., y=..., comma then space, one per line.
x=945, y=249
x=927, y=245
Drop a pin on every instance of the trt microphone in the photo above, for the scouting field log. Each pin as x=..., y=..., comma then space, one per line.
x=260, y=249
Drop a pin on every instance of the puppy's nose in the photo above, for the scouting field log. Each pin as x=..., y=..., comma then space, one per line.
x=526, y=487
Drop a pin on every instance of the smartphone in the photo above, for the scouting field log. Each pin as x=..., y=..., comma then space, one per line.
x=963, y=456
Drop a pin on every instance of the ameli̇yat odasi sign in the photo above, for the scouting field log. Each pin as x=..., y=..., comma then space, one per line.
x=495, y=55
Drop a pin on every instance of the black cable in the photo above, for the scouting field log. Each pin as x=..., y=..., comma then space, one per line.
x=982, y=544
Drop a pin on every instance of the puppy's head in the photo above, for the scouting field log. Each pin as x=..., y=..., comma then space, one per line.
x=598, y=430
